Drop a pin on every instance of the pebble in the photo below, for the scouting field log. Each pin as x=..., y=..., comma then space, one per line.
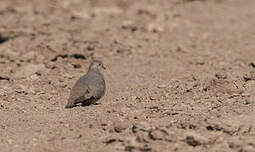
x=195, y=139
x=21, y=89
x=158, y=134
x=68, y=76
x=119, y=126
x=152, y=98
x=245, y=94
x=247, y=101
x=234, y=144
x=162, y=86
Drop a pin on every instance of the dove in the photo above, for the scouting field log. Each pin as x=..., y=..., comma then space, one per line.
x=89, y=88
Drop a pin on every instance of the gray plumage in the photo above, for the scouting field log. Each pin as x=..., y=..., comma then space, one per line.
x=89, y=88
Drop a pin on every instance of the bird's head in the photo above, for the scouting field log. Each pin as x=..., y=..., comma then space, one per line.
x=96, y=65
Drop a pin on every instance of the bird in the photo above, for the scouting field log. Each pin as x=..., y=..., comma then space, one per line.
x=89, y=88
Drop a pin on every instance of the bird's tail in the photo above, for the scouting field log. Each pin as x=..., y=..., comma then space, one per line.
x=69, y=104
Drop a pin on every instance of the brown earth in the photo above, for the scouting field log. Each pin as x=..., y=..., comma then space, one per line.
x=181, y=75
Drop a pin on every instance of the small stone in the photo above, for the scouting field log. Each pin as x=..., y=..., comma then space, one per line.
x=247, y=101
x=3, y=38
x=10, y=141
x=209, y=128
x=195, y=139
x=162, y=86
x=117, y=129
x=34, y=77
x=141, y=139
x=234, y=144
x=245, y=94
x=109, y=141
x=79, y=136
x=4, y=78
x=119, y=126
x=50, y=65
x=248, y=77
x=221, y=76
x=152, y=98
x=21, y=89
x=53, y=92
x=90, y=48
x=155, y=27
x=63, y=85
x=135, y=98
x=129, y=148
x=76, y=66
x=191, y=126
x=134, y=129
x=192, y=141
x=158, y=134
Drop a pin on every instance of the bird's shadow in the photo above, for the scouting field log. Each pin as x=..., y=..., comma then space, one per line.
x=91, y=101
x=88, y=104
x=85, y=105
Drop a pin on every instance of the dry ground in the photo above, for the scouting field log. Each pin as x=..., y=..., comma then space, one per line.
x=181, y=75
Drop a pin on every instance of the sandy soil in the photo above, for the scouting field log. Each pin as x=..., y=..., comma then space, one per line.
x=180, y=77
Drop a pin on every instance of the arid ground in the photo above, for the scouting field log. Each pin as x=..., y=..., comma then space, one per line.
x=180, y=75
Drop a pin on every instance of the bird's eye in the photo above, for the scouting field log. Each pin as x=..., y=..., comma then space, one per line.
x=99, y=64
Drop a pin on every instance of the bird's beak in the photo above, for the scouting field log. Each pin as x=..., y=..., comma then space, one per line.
x=104, y=67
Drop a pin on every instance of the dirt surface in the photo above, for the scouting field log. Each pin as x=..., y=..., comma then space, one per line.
x=180, y=77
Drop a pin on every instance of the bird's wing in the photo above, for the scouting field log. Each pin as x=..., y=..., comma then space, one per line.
x=77, y=92
x=88, y=94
